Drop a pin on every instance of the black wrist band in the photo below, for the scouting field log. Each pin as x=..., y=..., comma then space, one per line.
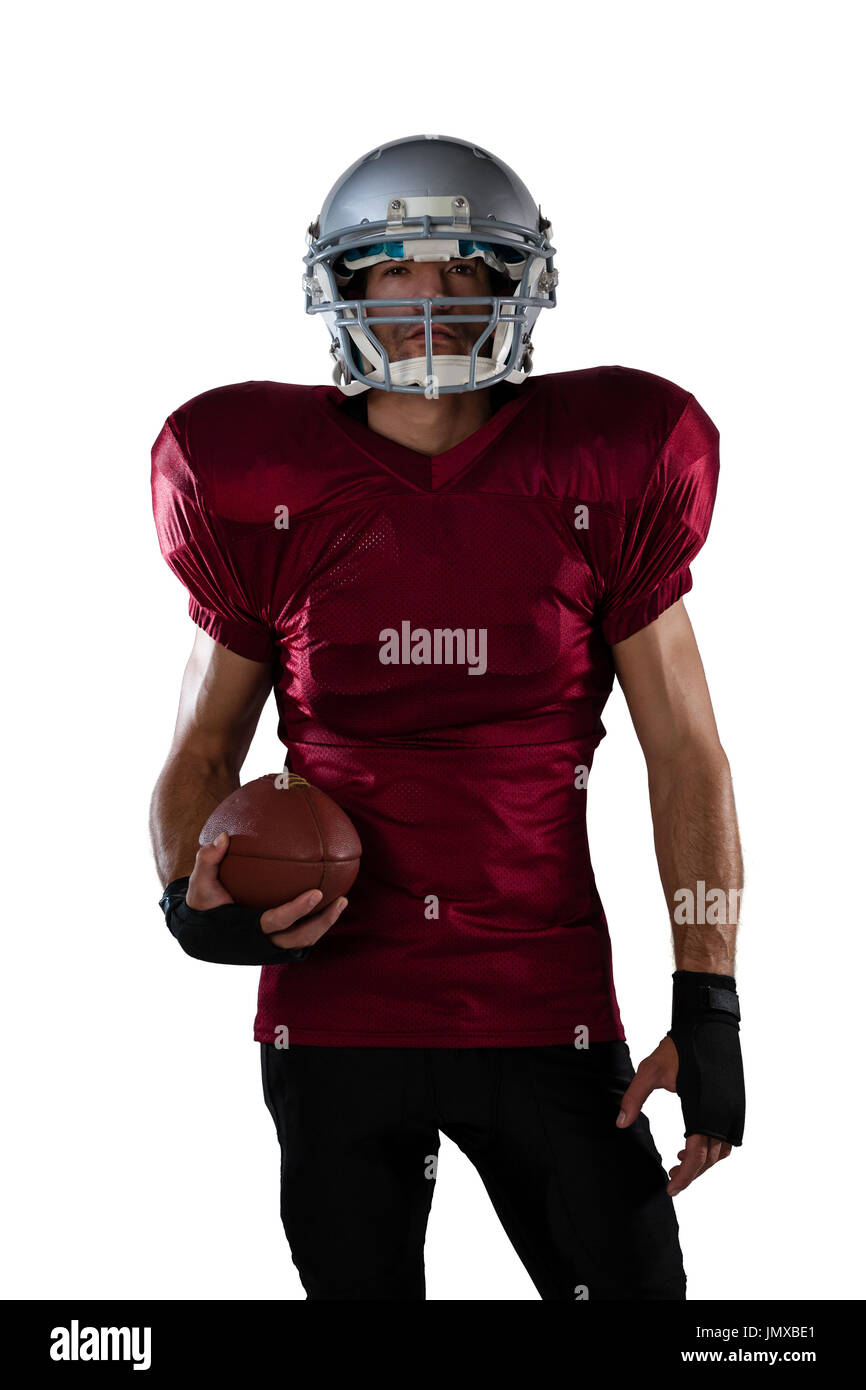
x=228, y=934
x=696, y=993
x=705, y=1028
x=174, y=892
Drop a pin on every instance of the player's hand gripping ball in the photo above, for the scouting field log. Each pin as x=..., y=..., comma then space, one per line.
x=286, y=838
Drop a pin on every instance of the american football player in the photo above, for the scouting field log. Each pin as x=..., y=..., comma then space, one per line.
x=439, y=562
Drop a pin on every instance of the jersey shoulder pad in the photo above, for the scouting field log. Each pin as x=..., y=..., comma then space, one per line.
x=237, y=440
x=618, y=420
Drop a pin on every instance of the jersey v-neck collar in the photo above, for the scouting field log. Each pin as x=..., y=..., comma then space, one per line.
x=424, y=472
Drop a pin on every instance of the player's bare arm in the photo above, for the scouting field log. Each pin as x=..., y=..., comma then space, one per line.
x=694, y=825
x=222, y=696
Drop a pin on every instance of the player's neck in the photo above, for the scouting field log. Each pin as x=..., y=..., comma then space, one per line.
x=428, y=426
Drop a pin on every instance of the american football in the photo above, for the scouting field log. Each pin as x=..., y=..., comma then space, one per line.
x=287, y=837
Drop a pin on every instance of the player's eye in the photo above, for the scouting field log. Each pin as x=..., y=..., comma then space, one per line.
x=465, y=266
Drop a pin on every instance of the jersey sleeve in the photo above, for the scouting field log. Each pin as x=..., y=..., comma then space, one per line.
x=665, y=527
x=198, y=547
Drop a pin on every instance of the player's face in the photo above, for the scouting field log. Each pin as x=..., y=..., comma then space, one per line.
x=429, y=280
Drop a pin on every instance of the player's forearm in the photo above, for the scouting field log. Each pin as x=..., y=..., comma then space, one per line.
x=698, y=851
x=188, y=790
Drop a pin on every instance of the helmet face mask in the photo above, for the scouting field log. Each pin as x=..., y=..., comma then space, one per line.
x=403, y=201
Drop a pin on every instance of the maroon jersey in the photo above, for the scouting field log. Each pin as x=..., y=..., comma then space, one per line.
x=440, y=632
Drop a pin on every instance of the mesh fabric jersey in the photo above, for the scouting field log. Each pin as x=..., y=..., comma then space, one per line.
x=566, y=523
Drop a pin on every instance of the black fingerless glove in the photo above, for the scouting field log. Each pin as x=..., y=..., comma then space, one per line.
x=229, y=935
x=705, y=1028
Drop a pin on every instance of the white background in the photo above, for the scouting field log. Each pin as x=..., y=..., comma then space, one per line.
x=700, y=164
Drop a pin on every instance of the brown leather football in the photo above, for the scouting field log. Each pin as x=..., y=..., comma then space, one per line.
x=287, y=837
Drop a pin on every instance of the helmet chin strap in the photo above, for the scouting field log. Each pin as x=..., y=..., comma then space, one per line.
x=447, y=370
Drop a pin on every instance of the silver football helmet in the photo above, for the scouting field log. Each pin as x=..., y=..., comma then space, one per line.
x=434, y=198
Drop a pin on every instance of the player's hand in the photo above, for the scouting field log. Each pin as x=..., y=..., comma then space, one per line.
x=656, y=1072
x=283, y=924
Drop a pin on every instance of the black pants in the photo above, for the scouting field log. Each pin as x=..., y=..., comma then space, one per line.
x=582, y=1202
